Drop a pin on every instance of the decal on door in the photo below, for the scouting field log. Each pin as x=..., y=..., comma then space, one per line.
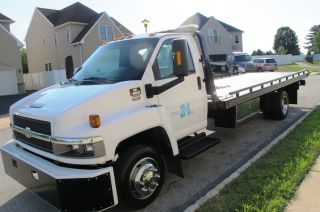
x=185, y=110
x=135, y=93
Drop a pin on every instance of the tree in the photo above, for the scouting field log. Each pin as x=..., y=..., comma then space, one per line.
x=288, y=39
x=310, y=38
x=316, y=43
x=281, y=51
x=269, y=52
x=257, y=52
x=24, y=60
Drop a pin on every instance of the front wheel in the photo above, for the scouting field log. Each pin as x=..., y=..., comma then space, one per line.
x=139, y=175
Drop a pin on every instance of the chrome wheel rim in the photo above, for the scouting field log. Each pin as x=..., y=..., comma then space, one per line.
x=144, y=178
x=284, y=105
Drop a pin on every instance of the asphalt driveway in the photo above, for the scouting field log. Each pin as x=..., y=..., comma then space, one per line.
x=7, y=101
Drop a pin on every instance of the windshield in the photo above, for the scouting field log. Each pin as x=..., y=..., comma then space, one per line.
x=243, y=58
x=119, y=61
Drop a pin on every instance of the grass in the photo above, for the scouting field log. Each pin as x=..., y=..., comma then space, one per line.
x=316, y=63
x=271, y=182
x=294, y=67
x=247, y=108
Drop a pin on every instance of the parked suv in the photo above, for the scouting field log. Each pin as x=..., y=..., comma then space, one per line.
x=243, y=60
x=265, y=64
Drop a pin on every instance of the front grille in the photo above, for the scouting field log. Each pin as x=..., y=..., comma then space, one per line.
x=41, y=144
x=38, y=126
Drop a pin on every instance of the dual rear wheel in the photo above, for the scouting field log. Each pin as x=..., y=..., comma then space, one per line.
x=276, y=105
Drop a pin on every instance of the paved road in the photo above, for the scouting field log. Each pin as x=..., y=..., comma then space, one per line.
x=202, y=173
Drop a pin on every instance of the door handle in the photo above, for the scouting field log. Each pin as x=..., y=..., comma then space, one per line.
x=199, y=83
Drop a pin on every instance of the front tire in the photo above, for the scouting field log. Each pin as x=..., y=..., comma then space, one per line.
x=139, y=175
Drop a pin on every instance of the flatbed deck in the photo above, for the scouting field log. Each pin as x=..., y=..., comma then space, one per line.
x=236, y=89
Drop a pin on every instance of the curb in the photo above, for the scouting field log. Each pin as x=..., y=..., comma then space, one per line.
x=235, y=174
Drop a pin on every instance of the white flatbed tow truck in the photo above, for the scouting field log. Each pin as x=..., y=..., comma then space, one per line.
x=136, y=107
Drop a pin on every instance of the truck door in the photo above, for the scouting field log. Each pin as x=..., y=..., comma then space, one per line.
x=185, y=103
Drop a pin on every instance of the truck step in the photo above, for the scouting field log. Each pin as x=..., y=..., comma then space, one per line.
x=191, y=146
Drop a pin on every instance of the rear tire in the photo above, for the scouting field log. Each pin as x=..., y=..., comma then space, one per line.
x=139, y=173
x=235, y=69
x=259, y=69
x=280, y=106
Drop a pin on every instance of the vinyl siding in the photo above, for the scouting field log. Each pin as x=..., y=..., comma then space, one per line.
x=10, y=54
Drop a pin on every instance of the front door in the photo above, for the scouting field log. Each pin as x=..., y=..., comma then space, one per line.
x=185, y=103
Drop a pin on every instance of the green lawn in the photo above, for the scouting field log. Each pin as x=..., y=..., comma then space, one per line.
x=316, y=63
x=270, y=183
x=247, y=108
x=294, y=67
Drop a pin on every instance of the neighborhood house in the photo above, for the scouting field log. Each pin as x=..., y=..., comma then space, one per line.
x=75, y=31
x=220, y=38
x=10, y=60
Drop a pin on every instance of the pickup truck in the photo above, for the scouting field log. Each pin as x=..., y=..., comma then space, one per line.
x=133, y=111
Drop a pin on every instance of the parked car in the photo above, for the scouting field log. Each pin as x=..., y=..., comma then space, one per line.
x=265, y=64
x=243, y=60
x=224, y=63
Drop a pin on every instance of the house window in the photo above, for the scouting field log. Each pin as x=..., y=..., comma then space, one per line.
x=213, y=36
x=236, y=39
x=68, y=35
x=48, y=67
x=55, y=39
x=106, y=32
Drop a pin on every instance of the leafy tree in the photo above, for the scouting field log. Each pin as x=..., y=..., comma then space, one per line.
x=258, y=52
x=281, y=51
x=310, y=38
x=288, y=39
x=269, y=52
x=24, y=60
x=316, y=43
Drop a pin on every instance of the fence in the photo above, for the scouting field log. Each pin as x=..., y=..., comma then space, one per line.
x=284, y=59
x=316, y=57
x=37, y=81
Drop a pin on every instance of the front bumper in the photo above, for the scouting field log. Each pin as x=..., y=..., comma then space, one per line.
x=68, y=189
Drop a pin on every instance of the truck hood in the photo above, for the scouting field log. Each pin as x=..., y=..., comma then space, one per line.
x=59, y=98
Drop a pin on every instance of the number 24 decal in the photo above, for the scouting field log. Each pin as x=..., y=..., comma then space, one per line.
x=185, y=110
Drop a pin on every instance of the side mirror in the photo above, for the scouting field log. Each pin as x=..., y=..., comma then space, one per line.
x=69, y=67
x=180, y=57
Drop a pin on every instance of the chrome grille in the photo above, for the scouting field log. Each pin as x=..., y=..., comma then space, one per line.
x=42, y=127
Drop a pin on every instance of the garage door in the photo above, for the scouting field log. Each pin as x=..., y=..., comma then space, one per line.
x=8, y=82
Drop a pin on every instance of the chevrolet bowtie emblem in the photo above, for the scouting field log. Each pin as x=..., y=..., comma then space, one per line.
x=27, y=132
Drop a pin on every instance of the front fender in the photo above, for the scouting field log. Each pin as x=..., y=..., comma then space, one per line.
x=128, y=123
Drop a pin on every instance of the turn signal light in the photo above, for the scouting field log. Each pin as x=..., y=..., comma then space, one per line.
x=95, y=121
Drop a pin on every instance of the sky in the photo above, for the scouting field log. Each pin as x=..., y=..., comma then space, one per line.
x=259, y=19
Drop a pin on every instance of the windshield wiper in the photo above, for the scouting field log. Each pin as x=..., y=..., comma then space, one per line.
x=99, y=80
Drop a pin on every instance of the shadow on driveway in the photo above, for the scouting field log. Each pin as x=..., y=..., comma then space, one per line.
x=7, y=101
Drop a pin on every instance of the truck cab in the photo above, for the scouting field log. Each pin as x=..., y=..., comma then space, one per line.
x=134, y=109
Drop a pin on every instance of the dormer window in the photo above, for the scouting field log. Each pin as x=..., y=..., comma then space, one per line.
x=106, y=33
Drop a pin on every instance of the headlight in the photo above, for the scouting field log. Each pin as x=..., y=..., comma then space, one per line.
x=79, y=148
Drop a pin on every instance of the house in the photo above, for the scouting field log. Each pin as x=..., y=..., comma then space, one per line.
x=11, y=76
x=220, y=37
x=74, y=31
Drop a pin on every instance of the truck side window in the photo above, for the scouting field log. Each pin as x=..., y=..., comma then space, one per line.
x=163, y=67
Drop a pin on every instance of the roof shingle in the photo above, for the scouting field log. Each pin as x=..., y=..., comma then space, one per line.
x=5, y=18
x=80, y=13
